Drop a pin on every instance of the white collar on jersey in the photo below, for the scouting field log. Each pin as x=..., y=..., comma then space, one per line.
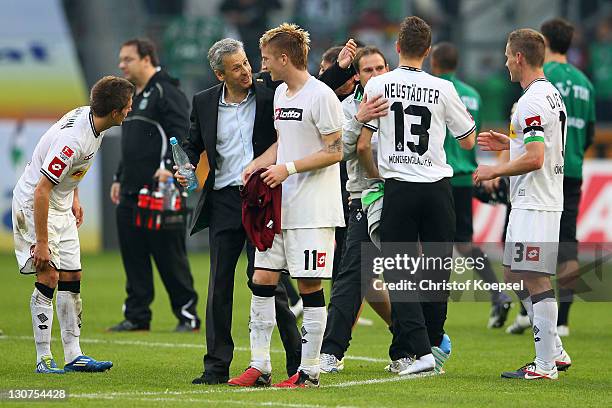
x=91, y=123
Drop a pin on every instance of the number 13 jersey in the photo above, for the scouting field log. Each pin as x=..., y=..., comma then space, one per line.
x=411, y=136
x=540, y=117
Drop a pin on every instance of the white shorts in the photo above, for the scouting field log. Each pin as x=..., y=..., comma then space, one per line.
x=303, y=253
x=63, y=239
x=532, y=241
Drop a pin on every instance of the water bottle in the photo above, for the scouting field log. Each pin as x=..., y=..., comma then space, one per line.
x=170, y=195
x=184, y=166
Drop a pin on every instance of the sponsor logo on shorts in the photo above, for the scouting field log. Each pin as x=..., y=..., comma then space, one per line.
x=288, y=114
x=90, y=155
x=533, y=253
x=56, y=167
x=42, y=317
x=321, y=259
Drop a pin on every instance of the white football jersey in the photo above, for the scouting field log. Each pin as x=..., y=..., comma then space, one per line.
x=311, y=199
x=63, y=155
x=411, y=136
x=540, y=116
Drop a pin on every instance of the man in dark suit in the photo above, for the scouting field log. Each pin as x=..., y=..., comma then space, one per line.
x=232, y=123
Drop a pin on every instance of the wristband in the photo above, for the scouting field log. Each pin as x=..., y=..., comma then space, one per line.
x=291, y=168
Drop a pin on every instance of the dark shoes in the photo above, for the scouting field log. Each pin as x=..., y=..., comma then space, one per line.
x=210, y=379
x=128, y=325
x=188, y=326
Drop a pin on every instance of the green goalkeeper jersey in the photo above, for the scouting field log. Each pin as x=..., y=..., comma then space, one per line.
x=579, y=98
x=462, y=161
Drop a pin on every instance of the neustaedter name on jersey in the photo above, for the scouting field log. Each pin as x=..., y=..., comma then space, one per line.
x=288, y=114
x=412, y=93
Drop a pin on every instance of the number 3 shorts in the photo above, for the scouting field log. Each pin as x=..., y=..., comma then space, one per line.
x=532, y=241
x=303, y=253
x=63, y=239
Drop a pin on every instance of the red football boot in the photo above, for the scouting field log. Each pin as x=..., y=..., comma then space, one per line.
x=251, y=377
x=299, y=380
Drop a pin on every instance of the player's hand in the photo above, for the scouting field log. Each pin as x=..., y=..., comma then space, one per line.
x=162, y=175
x=115, y=192
x=373, y=108
x=246, y=173
x=484, y=172
x=490, y=186
x=41, y=255
x=78, y=212
x=347, y=54
x=182, y=180
x=275, y=175
x=492, y=141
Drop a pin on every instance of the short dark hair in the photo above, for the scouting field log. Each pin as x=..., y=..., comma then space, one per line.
x=331, y=55
x=414, y=37
x=446, y=56
x=110, y=93
x=559, y=33
x=530, y=44
x=144, y=47
x=365, y=51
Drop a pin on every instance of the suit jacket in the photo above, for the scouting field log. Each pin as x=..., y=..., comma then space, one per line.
x=203, y=137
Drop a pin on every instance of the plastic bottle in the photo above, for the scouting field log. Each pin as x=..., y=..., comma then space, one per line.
x=184, y=166
x=170, y=195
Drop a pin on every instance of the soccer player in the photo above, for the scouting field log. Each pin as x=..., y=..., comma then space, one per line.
x=47, y=213
x=444, y=60
x=418, y=201
x=346, y=295
x=536, y=144
x=578, y=95
x=304, y=162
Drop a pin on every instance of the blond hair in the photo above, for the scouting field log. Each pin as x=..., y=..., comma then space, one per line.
x=530, y=43
x=288, y=39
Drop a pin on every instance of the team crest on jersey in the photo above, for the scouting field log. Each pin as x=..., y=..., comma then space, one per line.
x=533, y=253
x=66, y=153
x=533, y=121
x=56, y=167
x=288, y=114
x=79, y=174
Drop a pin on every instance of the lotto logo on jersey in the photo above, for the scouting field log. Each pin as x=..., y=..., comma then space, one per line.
x=56, y=167
x=321, y=259
x=533, y=253
x=288, y=114
x=533, y=121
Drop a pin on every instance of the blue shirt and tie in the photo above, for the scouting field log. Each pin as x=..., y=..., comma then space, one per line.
x=234, y=139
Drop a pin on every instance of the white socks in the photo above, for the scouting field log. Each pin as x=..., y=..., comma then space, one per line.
x=545, y=329
x=313, y=328
x=41, y=308
x=69, y=307
x=263, y=319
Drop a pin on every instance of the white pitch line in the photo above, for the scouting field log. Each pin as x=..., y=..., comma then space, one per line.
x=180, y=345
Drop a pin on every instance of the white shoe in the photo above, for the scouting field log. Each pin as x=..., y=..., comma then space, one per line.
x=521, y=323
x=331, y=364
x=563, y=361
x=298, y=308
x=422, y=366
x=563, y=331
x=362, y=321
x=397, y=366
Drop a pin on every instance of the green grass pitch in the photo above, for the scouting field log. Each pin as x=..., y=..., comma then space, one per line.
x=156, y=368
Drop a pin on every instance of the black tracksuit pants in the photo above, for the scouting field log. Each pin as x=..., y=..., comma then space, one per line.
x=168, y=250
x=418, y=212
x=227, y=238
x=346, y=293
